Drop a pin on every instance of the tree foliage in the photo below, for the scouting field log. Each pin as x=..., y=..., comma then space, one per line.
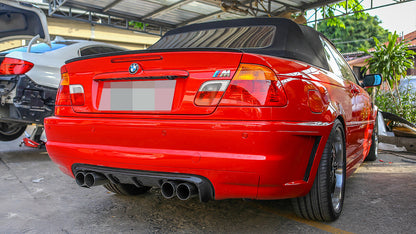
x=358, y=32
x=350, y=5
x=137, y=25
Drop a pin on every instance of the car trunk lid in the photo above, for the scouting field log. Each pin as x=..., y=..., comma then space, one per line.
x=19, y=20
x=162, y=83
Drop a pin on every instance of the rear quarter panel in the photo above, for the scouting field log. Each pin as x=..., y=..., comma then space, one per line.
x=355, y=110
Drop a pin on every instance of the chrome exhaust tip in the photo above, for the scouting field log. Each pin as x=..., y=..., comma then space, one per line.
x=95, y=179
x=168, y=189
x=80, y=179
x=184, y=191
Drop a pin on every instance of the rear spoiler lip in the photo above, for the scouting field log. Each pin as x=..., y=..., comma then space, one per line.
x=154, y=51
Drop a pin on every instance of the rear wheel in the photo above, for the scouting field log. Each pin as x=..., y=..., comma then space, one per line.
x=126, y=189
x=325, y=199
x=372, y=155
x=11, y=131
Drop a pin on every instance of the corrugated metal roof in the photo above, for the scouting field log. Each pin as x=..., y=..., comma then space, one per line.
x=159, y=16
x=173, y=13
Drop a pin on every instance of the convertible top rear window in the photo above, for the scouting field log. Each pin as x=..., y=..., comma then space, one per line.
x=231, y=37
x=268, y=36
x=276, y=37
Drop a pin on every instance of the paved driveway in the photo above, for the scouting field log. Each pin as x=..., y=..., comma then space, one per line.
x=35, y=197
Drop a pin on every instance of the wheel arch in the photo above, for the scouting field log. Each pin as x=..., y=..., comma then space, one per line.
x=318, y=203
x=318, y=154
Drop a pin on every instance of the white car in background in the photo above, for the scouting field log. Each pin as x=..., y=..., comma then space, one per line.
x=30, y=76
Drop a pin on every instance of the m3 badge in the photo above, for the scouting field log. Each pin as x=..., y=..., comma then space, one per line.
x=222, y=73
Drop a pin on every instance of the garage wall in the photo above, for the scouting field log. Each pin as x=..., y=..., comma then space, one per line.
x=70, y=29
x=10, y=44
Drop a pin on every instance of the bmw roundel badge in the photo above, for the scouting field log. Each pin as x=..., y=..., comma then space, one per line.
x=134, y=67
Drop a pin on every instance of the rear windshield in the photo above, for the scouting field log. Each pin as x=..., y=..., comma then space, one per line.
x=232, y=37
x=41, y=47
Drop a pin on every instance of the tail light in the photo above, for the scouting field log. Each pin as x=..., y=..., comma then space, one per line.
x=11, y=66
x=210, y=92
x=63, y=97
x=254, y=85
x=77, y=94
x=69, y=95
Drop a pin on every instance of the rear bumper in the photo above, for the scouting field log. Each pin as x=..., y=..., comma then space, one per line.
x=241, y=159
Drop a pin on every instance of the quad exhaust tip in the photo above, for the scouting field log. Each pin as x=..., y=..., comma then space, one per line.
x=169, y=189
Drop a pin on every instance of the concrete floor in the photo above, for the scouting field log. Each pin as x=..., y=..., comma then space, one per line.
x=35, y=197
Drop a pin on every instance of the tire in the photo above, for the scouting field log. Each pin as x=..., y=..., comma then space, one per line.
x=126, y=189
x=325, y=200
x=11, y=131
x=373, y=153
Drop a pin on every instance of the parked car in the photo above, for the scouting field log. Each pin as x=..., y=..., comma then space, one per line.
x=259, y=108
x=408, y=83
x=30, y=76
x=29, y=81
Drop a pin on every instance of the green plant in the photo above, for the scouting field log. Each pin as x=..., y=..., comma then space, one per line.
x=391, y=60
x=406, y=97
x=137, y=25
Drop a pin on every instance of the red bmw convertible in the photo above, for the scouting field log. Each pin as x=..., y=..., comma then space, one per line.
x=258, y=108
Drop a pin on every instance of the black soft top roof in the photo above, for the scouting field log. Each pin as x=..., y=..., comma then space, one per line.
x=291, y=41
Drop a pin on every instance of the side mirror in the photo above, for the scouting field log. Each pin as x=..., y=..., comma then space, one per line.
x=372, y=80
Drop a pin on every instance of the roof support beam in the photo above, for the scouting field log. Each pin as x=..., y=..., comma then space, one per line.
x=241, y=4
x=205, y=17
x=352, y=11
x=279, y=11
x=285, y=4
x=165, y=9
x=111, y=5
x=54, y=5
x=200, y=18
x=129, y=16
x=319, y=4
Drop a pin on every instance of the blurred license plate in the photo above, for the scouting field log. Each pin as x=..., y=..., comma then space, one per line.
x=137, y=95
